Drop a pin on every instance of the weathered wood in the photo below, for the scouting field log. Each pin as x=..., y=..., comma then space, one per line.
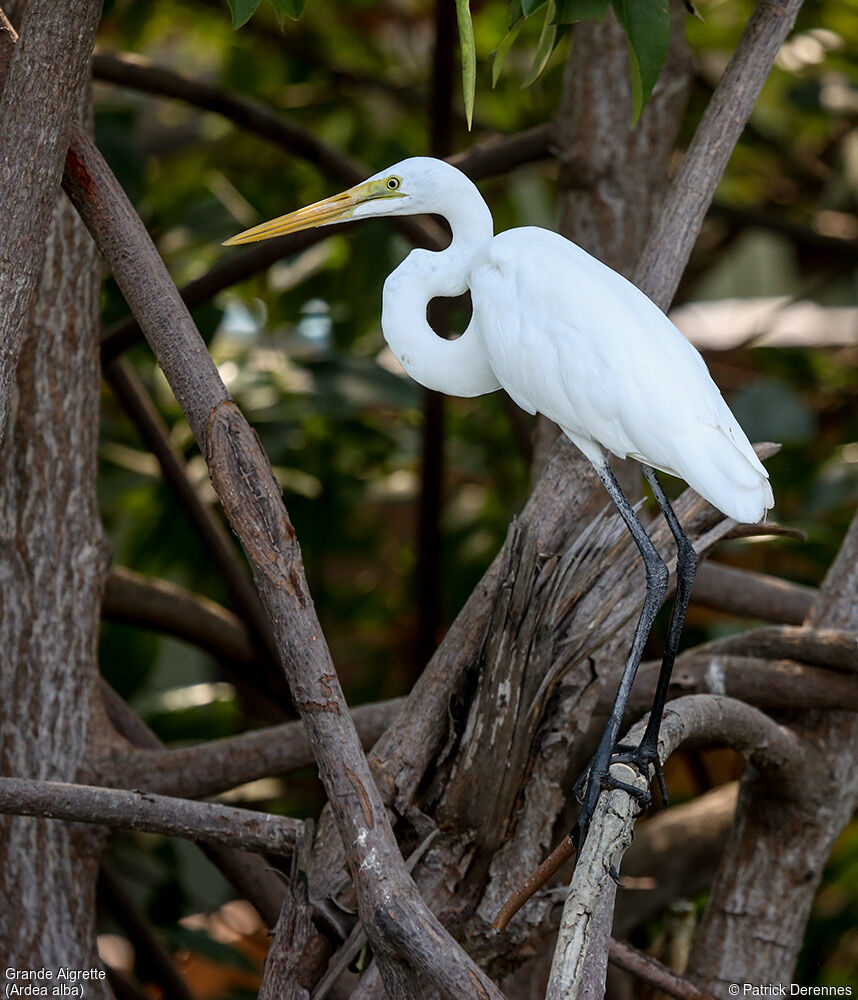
x=748, y=594
x=704, y=720
x=217, y=765
x=38, y=104
x=773, y=859
x=205, y=821
x=408, y=941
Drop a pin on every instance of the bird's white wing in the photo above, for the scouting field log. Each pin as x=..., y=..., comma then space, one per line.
x=570, y=338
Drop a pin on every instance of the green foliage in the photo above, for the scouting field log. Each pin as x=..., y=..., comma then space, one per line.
x=647, y=26
x=344, y=432
x=469, y=57
x=242, y=11
x=645, y=22
x=570, y=11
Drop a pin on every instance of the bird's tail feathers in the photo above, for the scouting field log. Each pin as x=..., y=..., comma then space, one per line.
x=720, y=471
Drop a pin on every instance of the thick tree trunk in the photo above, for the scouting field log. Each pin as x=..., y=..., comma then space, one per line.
x=53, y=561
x=37, y=107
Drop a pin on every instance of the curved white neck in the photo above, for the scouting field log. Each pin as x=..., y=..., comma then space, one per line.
x=456, y=367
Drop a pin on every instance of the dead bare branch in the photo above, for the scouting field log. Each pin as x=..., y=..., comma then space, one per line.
x=205, y=821
x=408, y=941
x=217, y=765
x=770, y=748
x=751, y=595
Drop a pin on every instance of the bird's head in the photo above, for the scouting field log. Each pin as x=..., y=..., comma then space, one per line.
x=410, y=187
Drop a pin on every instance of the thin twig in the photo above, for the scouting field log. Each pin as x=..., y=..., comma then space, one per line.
x=131, y=393
x=148, y=948
x=205, y=821
x=648, y=970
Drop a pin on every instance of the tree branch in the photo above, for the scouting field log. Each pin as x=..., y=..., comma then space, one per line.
x=751, y=595
x=774, y=856
x=649, y=971
x=766, y=683
x=832, y=648
x=772, y=750
x=253, y=116
x=148, y=948
x=726, y=114
x=205, y=821
x=225, y=273
x=218, y=765
x=137, y=73
x=247, y=872
x=38, y=105
x=160, y=605
x=142, y=412
x=408, y=941
x=501, y=155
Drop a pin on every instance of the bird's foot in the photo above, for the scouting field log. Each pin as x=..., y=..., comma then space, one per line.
x=642, y=758
x=597, y=778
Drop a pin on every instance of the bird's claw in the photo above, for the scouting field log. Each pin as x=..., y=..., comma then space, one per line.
x=597, y=777
x=642, y=758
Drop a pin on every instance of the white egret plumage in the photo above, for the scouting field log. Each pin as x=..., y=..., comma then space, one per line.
x=570, y=338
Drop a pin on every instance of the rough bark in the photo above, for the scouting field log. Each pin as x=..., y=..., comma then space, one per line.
x=207, y=822
x=751, y=595
x=410, y=944
x=39, y=101
x=53, y=561
x=754, y=924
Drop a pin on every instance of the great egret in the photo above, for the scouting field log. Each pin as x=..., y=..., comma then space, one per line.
x=568, y=337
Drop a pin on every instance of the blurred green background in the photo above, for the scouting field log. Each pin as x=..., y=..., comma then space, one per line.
x=300, y=348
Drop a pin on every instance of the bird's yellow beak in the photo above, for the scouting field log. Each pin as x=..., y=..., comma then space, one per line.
x=338, y=208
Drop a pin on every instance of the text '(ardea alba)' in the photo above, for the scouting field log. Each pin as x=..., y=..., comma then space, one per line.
x=567, y=337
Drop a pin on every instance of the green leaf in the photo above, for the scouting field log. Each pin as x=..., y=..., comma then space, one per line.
x=502, y=50
x=544, y=47
x=570, y=11
x=288, y=8
x=469, y=57
x=647, y=26
x=242, y=11
x=529, y=7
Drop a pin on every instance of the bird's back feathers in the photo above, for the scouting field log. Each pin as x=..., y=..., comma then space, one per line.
x=572, y=339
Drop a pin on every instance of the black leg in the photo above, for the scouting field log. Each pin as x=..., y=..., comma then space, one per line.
x=595, y=778
x=686, y=569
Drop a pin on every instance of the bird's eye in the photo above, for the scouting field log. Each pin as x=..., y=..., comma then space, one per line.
x=393, y=183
